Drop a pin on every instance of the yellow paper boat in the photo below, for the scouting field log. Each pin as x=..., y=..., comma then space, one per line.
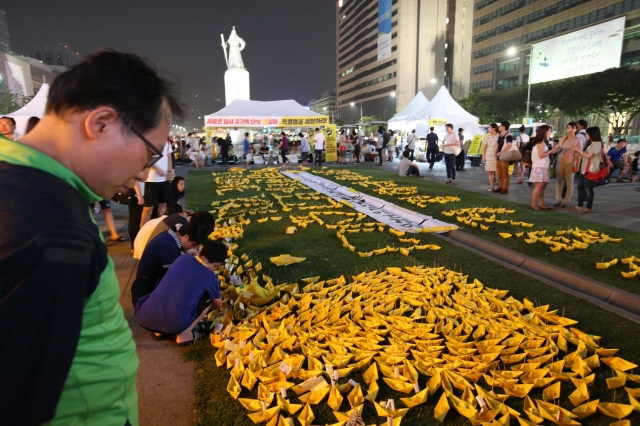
x=585, y=410
x=263, y=416
x=441, y=409
x=505, y=235
x=233, y=387
x=306, y=416
x=399, y=385
x=618, y=363
x=417, y=399
x=617, y=411
x=315, y=396
x=335, y=399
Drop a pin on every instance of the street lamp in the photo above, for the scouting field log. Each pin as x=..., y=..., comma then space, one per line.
x=511, y=51
x=353, y=104
x=445, y=81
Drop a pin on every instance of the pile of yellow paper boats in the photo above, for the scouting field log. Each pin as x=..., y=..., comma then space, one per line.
x=414, y=335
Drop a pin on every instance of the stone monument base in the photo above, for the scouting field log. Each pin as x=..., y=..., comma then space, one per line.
x=236, y=85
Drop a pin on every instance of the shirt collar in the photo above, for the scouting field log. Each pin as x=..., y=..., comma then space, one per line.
x=175, y=237
x=22, y=155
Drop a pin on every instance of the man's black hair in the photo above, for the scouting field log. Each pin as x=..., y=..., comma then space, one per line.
x=582, y=123
x=246, y=134
x=431, y=128
x=505, y=124
x=405, y=154
x=199, y=227
x=122, y=81
x=460, y=129
x=10, y=119
x=214, y=250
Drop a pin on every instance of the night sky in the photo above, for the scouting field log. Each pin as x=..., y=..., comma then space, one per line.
x=290, y=51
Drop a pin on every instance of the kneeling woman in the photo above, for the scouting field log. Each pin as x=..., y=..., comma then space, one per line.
x=189, y=289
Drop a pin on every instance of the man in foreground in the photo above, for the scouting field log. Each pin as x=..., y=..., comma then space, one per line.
x=67, y=349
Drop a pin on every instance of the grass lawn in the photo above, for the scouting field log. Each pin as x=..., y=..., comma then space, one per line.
x=579, y=261
x=326, y=257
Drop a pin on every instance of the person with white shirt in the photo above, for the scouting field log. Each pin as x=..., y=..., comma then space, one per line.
x=406, y=167
x=450, y=142
x=411, y=143
x=318, y=147
x=157, y=187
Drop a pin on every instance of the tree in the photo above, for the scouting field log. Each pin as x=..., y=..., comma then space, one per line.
x=613, y=94
x=9, y=101
x=507, y=105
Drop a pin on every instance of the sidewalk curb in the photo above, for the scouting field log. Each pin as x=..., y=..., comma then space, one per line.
x=608, y=297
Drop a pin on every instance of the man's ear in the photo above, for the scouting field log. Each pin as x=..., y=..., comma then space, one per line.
x=99, y=121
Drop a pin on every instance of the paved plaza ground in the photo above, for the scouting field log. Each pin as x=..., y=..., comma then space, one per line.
x=165, y=379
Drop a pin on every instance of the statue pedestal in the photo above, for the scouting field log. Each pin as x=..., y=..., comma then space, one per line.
x=236, y=85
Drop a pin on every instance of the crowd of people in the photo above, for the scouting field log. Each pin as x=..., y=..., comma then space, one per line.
x=65, y=338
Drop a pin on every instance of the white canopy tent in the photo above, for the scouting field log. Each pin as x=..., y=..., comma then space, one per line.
x=444, y=106
x=403, y=120
x=35, y=108
x=258, y=114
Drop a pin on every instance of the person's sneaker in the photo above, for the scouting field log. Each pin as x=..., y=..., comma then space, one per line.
x=557, y=204
x=564, y=206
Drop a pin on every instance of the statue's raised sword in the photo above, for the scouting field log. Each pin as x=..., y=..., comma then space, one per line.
x=224, y=47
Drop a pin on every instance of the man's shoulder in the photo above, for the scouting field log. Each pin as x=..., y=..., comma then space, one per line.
x=30, y=192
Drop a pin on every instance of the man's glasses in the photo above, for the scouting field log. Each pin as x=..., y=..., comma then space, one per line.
x=154, y=153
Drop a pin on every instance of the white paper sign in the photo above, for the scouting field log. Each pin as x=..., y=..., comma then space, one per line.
x=286, y=369
x=355, y=419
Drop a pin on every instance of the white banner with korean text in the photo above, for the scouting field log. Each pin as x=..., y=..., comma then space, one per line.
x=589, y=50
x=380, y=210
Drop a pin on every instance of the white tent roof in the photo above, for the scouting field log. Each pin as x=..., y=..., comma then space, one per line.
x=264, y=109
x=418, y=103
x=444, y=106
x=287, y=113
x=35, y=108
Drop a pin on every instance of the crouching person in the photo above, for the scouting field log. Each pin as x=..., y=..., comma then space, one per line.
x=407, y=167
x=186, y=293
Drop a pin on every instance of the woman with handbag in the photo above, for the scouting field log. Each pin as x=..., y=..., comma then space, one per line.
x=451, y=145
x=566, y=166
x=590, y=164
x=489, y=149
x=507, y=152
x=540, y=166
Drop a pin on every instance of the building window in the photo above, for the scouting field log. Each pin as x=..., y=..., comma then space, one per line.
x=482, y=68
x=480, y=84
x=38, y=55
x=562, y=27
x=525, y=20
x=48, y=58
x=369, y=83
x=507, y=83
x=630, y=62
x=510, y=65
